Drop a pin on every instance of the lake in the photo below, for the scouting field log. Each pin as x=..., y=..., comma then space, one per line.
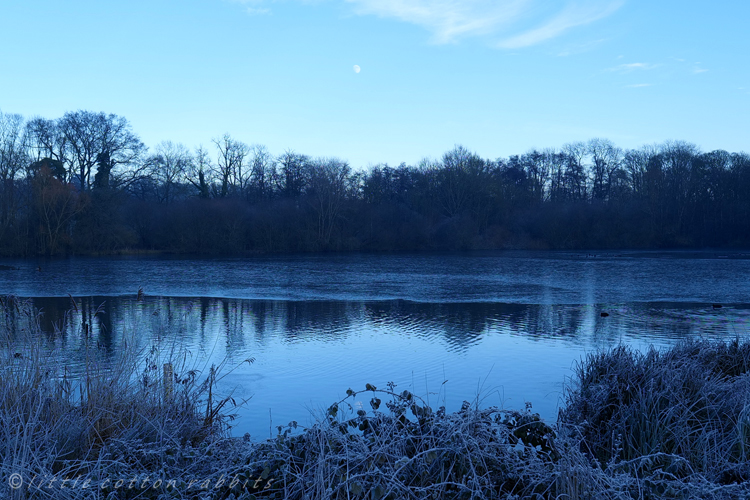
x=504, y=327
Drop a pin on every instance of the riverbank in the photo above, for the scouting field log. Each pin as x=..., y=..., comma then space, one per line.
x=669, y=424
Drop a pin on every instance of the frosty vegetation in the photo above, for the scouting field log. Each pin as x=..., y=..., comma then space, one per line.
x=659, y=424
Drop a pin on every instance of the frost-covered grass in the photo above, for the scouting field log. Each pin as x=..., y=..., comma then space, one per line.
x=670, y=424
x=685, y=410
x=130, y=412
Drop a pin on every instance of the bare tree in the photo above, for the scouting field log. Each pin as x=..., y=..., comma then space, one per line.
x=327, y=187
x=230, y=164
x=575, y=170
x=13, y=159
x=46, y=141
x=606, y=161
x=55, y=205
x=168, y=166
x=635, y=163
x=101, y=140
x=680, y=176
x=261, y=172
x=290, y=180
x=538, y=169
x=199, y=171
x=452, y=180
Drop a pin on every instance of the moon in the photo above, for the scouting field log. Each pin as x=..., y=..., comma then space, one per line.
x=356, y=68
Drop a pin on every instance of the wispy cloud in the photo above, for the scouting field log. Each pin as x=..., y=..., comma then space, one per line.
x=630, y=67
x=638, y=85
x=696, y=66
x=580, y=48
x=511, y=24
x=571, y=16
x=448, y=20
x=253, y=7
x=507, y=24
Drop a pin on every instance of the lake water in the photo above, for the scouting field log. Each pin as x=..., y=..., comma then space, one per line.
x=507, y=327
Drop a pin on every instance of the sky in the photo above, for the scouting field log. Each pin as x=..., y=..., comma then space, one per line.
x=498, y=77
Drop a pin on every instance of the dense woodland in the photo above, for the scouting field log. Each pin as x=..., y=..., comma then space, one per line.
x=85, y=183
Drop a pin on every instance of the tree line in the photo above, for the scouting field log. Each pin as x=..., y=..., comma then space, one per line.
x=85, y=183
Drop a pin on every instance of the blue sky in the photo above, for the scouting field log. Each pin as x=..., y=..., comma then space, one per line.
x=499, y=77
